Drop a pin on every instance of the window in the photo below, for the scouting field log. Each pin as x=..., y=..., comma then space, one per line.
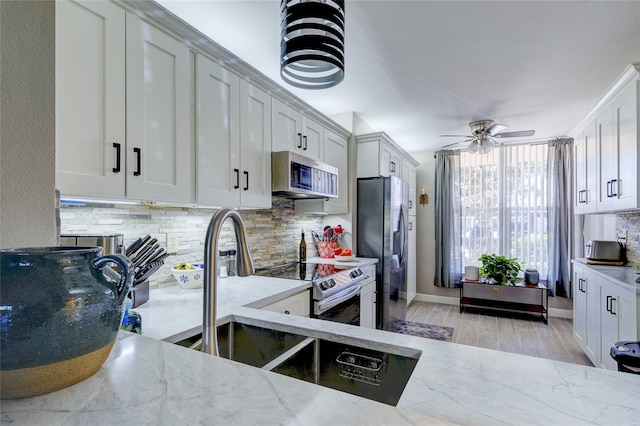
x=503, y=205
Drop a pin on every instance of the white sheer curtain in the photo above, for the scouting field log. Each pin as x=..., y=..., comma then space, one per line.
x=448, y=223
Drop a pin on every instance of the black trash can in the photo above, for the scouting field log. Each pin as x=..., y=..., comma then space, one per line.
x=627, y=355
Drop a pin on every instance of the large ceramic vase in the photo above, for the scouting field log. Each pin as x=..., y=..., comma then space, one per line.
x=60, y=312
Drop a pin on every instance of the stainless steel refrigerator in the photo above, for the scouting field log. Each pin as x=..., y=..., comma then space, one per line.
x=382, y=233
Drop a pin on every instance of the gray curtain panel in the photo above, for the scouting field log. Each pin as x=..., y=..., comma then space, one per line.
x=560, y=215
x=447, y=220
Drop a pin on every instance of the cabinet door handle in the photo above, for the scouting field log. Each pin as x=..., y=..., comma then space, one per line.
x=613, y=299
x=608, y=303
x=305, y=142
x=410, y=226
x=116, y=169
x=138, y=152
x=393, y=167
x=246, y=185
x=299, y=140
x=237, y=172
x=609, y=189
x=580, y=285
x=614, y=194
x=410, y=204
x=579, y=197
x=287, y=312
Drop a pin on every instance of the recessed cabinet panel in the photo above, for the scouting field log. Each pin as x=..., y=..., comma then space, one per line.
x=158, y=125
x=287, y=127
x=255, y=136
x=218, y=138
x=626, y=135
x=90, y=97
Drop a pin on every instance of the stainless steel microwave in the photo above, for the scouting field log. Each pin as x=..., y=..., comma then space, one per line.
x=295, y=176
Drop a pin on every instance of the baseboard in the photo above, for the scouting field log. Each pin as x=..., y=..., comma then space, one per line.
x=445, y=300
x=448, y=300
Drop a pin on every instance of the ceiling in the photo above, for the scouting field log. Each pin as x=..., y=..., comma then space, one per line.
x=419, y=69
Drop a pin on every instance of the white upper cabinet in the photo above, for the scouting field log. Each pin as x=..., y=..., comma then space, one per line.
x=90, y=99
x=336, y=154
x=255, y=146
x=586, y=161
x=159, y=141
x=378, y=155
x=627, y=139
x=293, y=131
x=122, y=106
x=409, y=176
x=233, y=156
x=608, y=171
x=217, y=134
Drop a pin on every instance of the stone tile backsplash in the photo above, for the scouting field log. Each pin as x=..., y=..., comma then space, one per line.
x=273, y=234
x=630, y=222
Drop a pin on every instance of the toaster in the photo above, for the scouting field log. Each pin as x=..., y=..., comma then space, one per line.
x=612, y=251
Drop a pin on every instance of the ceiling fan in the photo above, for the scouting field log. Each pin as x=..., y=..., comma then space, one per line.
x=484, y=134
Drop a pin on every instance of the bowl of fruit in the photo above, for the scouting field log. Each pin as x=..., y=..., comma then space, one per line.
x=345, y=255
x=189, y=275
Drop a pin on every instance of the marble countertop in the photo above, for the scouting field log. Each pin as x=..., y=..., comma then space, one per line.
x=173, y=313
x=623, y=276
x=154, y=382
x=150, y=381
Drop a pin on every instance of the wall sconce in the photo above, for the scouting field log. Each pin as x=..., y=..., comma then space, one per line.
x=424, y=198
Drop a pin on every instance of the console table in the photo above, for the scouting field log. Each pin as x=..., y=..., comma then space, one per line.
x=522, y=298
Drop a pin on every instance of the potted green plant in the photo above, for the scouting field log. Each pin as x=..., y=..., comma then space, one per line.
x=500, y=269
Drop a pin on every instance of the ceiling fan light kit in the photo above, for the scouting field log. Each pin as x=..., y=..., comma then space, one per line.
x=484, y=134
x=312, y=43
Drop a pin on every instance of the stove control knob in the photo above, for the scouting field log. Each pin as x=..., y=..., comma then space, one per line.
x=332, y=283
x=355, y=273
x=324, y=285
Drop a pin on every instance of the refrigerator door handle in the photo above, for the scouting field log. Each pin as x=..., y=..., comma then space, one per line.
x=403, y=235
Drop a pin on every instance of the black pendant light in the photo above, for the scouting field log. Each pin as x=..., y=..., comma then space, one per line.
x=312, y=44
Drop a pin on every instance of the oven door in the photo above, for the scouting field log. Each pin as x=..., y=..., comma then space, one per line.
x=343, y=307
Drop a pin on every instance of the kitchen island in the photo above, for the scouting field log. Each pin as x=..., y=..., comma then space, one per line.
x=150, y=381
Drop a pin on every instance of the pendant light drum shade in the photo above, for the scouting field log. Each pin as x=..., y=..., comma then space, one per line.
x=312, y=43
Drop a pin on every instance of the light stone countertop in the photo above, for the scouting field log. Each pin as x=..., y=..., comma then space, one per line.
x=623, y=276
x=358, y=261
x=148, y=381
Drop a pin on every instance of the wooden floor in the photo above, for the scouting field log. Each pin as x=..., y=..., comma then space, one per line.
x=503, y=332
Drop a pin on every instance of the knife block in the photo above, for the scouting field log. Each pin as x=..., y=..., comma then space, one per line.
x=140, y=293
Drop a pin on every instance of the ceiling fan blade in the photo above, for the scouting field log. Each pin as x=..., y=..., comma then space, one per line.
x=519, y=134
x=495, y=128
x=455, y=136
x=457, y=143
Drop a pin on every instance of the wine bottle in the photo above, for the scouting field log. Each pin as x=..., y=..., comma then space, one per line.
x=303, y=248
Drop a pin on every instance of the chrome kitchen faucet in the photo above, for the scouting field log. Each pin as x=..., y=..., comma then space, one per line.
x=244, y=268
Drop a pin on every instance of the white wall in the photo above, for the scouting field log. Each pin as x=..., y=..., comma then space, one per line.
x=27, y=126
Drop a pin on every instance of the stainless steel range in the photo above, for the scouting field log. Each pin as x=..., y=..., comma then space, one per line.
x=335, y=289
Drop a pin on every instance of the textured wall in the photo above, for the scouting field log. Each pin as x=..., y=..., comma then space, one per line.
x=273, y=235
x=27, y=123
x=630, y=222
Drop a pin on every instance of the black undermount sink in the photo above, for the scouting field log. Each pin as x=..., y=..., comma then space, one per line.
x=380, y=375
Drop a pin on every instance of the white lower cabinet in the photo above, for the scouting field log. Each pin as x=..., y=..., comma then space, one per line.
x=411, y=260
x=586, y=312
x=368, y=298
x=603, y=313
x=618, y=319
x=298, y=304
